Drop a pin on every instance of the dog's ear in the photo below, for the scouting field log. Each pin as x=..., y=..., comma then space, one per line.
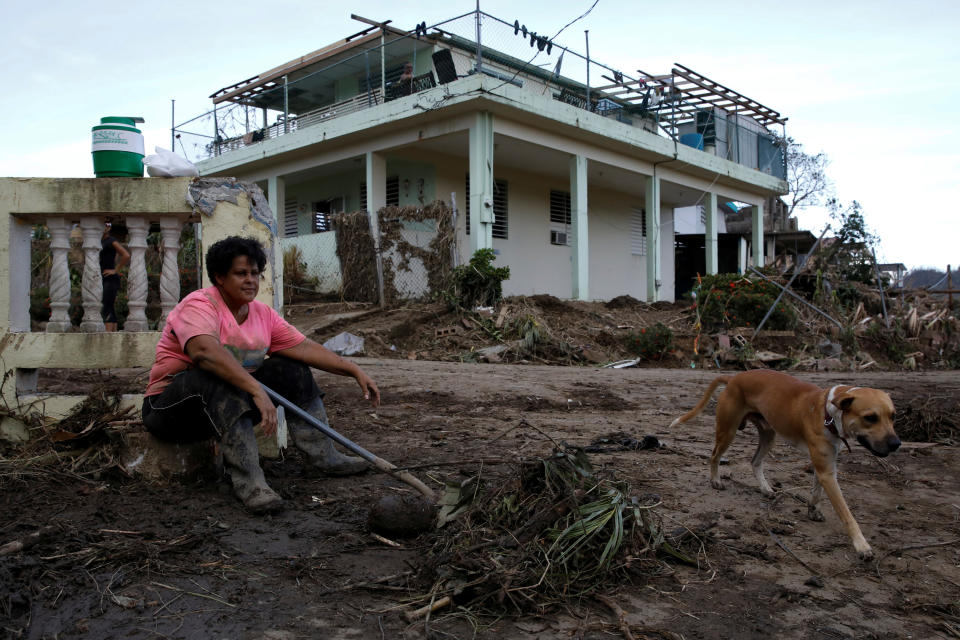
x=844, y=403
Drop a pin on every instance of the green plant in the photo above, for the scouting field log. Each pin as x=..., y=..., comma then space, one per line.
x=732, y=300
x=651, y=343
x=478, y=283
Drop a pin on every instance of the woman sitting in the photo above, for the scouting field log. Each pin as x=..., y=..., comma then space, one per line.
x=211, y=359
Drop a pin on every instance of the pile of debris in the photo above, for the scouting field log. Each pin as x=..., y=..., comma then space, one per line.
x=554, y=531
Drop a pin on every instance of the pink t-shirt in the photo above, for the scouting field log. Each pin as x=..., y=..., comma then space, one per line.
x=204, y=312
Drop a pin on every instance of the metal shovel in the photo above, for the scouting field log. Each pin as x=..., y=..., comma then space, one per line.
x=375, y=460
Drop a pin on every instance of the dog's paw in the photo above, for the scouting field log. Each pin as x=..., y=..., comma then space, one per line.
x=814, y=513
x=717, y=483
x=865, y=553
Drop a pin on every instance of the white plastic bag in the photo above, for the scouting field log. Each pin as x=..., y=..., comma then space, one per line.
x=167, y=164
x=345, y=344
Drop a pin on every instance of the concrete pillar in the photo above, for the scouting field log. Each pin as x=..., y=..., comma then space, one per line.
x=579, y=225
x=758, y=235
x=376, y=170
x=654, y=275
x=277, y=199
x=138, y=227
x=481, y=182
x=710, y=236
x=742, y=256
x=91, y=228
x=170, y=229
x=59, y=287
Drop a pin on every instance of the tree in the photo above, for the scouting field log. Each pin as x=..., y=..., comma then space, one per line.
x=853, y=246
x=806, y=177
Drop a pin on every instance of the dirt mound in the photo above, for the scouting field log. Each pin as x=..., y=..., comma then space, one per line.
x=624, y=302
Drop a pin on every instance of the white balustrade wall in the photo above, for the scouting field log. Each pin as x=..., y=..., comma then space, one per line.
x=92, y=283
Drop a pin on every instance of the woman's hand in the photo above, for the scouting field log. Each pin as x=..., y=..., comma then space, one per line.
x=268, y=412
x=369, y=388
x=110, y=272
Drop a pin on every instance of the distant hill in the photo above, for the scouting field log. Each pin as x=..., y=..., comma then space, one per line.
x=926, y=277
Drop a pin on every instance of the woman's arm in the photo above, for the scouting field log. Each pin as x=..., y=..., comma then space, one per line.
x=319, y=357
x=209, y=355
x=123, y=257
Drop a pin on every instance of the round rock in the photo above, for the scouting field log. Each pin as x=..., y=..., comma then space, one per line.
x=403, y=515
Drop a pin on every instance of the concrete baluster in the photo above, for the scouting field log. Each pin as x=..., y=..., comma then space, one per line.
x=92, y=284
x=59, y=285
x=170, y=275
x=137, y=277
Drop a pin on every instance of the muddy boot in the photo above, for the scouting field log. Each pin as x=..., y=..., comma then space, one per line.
x=241, y=461
x=319, y=448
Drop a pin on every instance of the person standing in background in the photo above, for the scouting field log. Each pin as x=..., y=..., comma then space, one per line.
x=113, y=256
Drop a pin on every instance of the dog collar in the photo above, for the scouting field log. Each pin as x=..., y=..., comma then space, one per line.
x=833, y=422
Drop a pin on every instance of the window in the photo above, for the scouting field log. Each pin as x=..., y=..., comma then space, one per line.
x=638, y=232
x=363, y=196
x=393, y=191
x=560, y=217
x=322, y=211
x=500, y=226
x=290, y=227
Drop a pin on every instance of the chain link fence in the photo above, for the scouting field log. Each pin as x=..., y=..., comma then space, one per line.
x=410, y=258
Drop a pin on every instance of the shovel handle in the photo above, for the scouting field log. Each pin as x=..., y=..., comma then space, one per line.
x=373, y=459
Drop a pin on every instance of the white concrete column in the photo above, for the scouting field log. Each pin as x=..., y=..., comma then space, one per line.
x=277, y=198
x=376, y=165
x=758, y=235
x=92, y=284
x=579, y=226
x=59, y=286
x=710, y=237
x=170, y=229
x=481, y=182
x=137, y=275
x=771, y=250
x=654, y=268
x=742, y=256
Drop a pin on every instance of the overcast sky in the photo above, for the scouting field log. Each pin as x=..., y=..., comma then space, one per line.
x=871, y=83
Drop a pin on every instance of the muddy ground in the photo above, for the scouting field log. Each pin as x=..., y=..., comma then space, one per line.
x=124, y=559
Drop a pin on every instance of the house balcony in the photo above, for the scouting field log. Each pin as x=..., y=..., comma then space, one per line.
x=365, y=73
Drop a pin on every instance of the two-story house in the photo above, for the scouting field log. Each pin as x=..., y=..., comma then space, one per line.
x=570, y=169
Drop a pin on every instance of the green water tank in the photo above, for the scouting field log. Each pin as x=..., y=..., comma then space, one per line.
x=118, y=148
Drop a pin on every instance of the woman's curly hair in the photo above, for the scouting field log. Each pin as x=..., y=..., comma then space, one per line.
x=221, y=254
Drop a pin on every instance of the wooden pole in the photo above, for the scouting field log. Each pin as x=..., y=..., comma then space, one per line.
x=949, y=290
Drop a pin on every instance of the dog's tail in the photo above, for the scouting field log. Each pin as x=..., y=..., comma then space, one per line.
x=719, y=380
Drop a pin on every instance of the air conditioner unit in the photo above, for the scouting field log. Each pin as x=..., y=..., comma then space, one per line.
x=559, y=237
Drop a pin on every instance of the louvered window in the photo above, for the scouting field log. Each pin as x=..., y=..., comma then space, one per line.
x=290, y=226
x=638, y=232
x=363, y=196
x=321, y=221
x=500, y=197
x=393, y=191
x=560, y=217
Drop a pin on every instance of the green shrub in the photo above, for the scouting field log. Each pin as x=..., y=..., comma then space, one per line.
x=732, y=300
x=479, y=283
x=651, y=343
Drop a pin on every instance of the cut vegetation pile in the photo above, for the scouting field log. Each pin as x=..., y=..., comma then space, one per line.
x=556, y=531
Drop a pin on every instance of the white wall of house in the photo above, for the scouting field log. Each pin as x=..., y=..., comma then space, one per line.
x=690, y=220
x=541, y=267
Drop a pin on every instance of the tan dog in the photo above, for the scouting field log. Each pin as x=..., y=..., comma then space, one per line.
x=804, y=414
